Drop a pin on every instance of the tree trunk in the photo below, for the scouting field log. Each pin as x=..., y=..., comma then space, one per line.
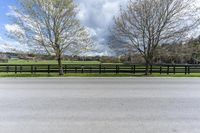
x=147, y=72
x=60, y=67
x=148, y=65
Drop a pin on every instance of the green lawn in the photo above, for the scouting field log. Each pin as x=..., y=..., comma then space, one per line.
x=17, y=61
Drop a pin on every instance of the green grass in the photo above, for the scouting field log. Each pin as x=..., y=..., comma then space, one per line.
x=177, y=75
x=17, y=61
x=66, y=75
x=94, y=75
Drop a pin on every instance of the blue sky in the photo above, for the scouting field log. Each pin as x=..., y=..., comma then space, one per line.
x=3, y=10
x=5, y=42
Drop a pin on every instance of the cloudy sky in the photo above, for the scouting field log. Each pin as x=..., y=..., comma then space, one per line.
x=96, y=15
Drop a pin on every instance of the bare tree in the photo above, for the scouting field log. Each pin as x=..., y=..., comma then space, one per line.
x=147, y=23
x=50, y=26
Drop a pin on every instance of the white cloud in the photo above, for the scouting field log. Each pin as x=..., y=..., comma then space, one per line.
x=98, y=14
x=13, y=28
x=12, y=11
x=10, y=46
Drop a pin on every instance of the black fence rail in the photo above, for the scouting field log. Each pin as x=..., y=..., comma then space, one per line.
x=103, y=68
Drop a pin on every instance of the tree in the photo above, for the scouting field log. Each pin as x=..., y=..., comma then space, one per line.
x=50, y=26
x=146, y=24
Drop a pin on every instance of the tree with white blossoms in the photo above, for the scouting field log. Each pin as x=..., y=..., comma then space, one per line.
x=50, y=26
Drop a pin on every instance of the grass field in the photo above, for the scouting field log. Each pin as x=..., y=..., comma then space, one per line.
x=17, y=61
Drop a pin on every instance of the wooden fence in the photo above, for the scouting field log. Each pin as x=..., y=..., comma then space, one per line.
x=103, y=68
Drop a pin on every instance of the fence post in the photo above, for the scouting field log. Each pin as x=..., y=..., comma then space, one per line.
x=65, y=69
x=116, y=70
x=160, y=69
x=134, y=69
x=20, y=68
x=82, y=69
x=32, y=69
x=48, y=69
x=188, y=69
x=76, y=70
x=35, y=69
x=7, y=68
x=168, y=70
x=15, y=69
x=185, y=70
x=151, y=69
x=174, y=69
x=100, y=69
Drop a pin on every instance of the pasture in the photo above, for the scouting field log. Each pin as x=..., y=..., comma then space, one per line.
x=21, y=61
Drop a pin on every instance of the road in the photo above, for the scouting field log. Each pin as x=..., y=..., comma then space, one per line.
x=100, y=105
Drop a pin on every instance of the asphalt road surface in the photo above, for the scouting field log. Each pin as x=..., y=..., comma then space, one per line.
x=100, y=105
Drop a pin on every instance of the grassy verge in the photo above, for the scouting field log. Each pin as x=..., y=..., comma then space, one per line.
x=177, y=75
x=94, y=75
x=66, y=75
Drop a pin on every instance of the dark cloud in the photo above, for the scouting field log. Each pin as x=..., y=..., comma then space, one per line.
x=97, y=16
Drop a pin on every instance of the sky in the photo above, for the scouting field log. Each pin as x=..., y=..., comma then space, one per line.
x=3, y=17
x=95, y=15
x=6, y=44
x=4, y=9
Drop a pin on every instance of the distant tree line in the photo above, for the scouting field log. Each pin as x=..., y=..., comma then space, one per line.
x=170, y=53
x=177, y=53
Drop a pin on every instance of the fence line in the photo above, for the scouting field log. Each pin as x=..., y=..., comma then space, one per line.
x=101, y=68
